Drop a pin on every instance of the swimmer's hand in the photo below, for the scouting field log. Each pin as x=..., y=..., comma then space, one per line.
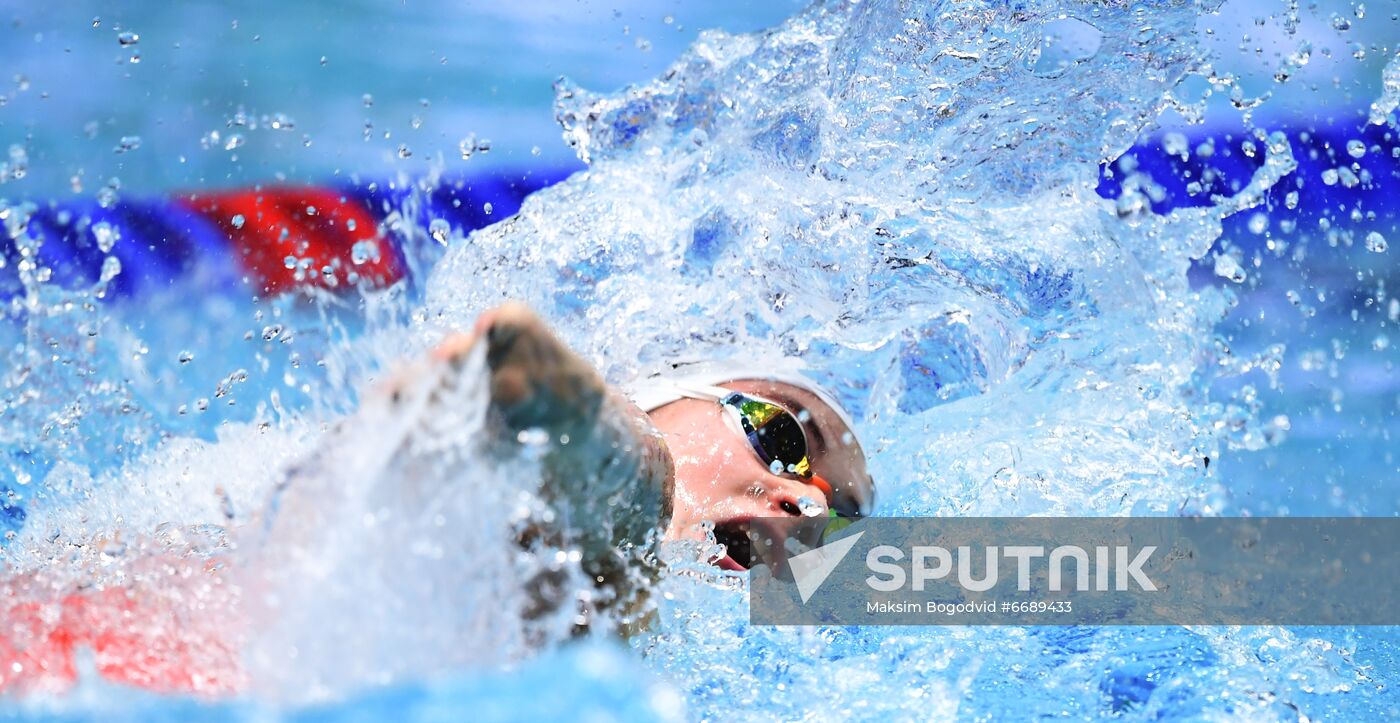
x=607, y=472
x=537, y=382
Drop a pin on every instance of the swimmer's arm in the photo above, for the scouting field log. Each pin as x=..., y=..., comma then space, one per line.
x=606, y=468
x=606, y=473
x=599, y=444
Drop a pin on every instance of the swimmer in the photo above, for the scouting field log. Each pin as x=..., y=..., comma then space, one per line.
x=677, y=457
x=721, y=448
x=671, y=458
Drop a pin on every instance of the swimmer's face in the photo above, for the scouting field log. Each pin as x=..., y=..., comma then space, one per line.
x=720, y=480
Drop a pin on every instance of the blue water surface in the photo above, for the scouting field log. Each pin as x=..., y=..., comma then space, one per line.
x=1246, y=374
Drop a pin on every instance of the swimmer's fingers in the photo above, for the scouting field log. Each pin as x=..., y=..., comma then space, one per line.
x=455, y=346
x=512, y=314
x=536, y=379
x=413, y=377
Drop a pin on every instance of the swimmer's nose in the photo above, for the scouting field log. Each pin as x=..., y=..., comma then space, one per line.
x=804, y=514
x=797, y=499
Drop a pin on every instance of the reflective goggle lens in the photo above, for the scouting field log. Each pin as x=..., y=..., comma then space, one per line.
x=774, y=433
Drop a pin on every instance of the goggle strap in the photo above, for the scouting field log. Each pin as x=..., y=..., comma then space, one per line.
x=702, y=392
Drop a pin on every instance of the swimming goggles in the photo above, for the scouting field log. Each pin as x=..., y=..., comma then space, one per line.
x=774, y=434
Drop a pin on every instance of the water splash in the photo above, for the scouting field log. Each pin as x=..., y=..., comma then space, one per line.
x=909, y=208
x=904, y=198
x=1390, y=92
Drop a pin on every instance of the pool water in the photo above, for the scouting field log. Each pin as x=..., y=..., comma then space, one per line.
x=994, y=231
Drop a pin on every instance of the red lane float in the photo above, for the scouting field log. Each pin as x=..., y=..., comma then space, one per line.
x=295, y=237
x=180, y=634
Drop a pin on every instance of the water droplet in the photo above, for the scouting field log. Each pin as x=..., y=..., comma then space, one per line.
x=404, y=152
x=234, y=141
x=1375, y=242
x=776, y=467
x=440, y=230
x=1341, y=23
x=471, y=145
x=238, y=220
x=350, y=224
x=1258, y=223
x=125, y=37
x=368, y=100
x=1175, y=144
x=1356, y=148
x=1329, y=176
x=487, y=208
x=271, y=332
x=810, y=507
x=532, y=437
x=105, y=235
x=128, y=143
x=363, y=251
x=185, y=356
x=1226, y=267
x=111, y=267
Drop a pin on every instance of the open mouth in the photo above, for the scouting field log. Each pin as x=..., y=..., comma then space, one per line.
x=734, y=535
